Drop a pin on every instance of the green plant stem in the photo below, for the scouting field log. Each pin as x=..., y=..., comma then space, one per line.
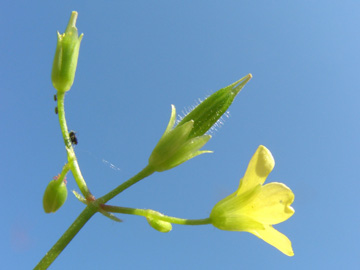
x=148, y=170
x=65, y=239
x=64, y=172
x=154, y=214
x=93, y=205
x=86, y=214
x=74, y=166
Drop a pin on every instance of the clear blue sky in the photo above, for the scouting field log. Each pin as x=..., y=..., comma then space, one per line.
x=136, y=59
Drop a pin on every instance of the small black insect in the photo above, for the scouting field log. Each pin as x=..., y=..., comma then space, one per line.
x=55, y=98
x=73, y=139
x=56, y=110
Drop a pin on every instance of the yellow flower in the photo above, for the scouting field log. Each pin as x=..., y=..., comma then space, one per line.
x=255, y=207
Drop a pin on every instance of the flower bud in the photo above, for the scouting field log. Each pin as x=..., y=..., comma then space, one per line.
x=157, y=224
x=55, y=195
x=66, y=56
x=208, y=112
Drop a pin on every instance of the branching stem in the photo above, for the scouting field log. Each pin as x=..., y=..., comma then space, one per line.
x=153, y=214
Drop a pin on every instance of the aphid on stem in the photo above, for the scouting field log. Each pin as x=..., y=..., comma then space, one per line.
x=73, y=139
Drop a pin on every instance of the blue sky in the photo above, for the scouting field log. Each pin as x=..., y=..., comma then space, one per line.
x=136, y=59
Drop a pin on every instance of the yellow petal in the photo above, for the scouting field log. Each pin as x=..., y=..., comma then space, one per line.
x=276, y=239
x=271, y=205
x=260, y=165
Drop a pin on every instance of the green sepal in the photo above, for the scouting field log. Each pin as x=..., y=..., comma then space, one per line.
x=79, y=197
x=222, y=214
x=171, y=121
x=110, y=215
x=172, y=141
x=175, y=146
x=187, y=151
x=169, y=144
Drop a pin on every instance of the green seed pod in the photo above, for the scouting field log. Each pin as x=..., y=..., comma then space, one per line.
x=208, y=112
x=183, y=141
x=66, y=56
x=55, y=195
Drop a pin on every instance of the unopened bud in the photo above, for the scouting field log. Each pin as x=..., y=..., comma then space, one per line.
x=157, y=224
x=66, y=56
x=55, y=195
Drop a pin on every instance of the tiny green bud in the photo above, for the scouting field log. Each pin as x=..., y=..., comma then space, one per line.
x=208, y=112
x=157, y=224
x=55, y=195
x=66, y=56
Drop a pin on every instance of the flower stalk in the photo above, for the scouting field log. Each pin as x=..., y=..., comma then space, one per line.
x=155, y=215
